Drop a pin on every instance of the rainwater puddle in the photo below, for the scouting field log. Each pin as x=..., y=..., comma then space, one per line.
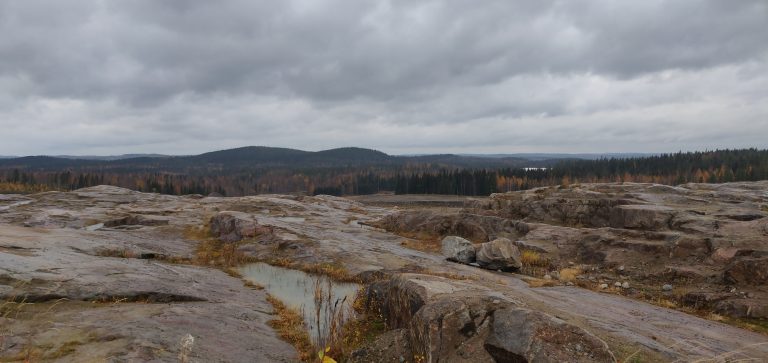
x=297, y=289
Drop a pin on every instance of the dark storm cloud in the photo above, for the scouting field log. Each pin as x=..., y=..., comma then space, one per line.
x=212, y=74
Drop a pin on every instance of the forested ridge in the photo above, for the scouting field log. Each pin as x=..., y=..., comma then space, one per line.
x=359, y=171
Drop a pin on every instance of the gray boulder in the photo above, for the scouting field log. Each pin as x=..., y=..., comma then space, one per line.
x=522, y=335
x=444, y=320
x=458, y=249
x=499, y=254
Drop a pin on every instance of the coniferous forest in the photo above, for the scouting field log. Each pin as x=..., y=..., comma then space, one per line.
x=425, y=175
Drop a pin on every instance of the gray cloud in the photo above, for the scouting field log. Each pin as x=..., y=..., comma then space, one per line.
x=182, y=76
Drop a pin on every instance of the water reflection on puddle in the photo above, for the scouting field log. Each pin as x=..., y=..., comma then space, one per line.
x=297, y=290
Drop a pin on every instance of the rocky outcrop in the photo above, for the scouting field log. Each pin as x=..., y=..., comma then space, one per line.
x=522, y=335
x=235, y=226
x=445, y=320
x=709, y=235
x=747, y=271
x=641, y=216
x=475, y=227
x=137, y=220
x=499, y=254
x=458, y=249
x=570, y=207
x=391, y=347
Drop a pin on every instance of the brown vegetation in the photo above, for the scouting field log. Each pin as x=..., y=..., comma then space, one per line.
x=290, y=326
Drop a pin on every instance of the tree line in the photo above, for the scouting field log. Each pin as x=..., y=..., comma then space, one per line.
x=700, y=167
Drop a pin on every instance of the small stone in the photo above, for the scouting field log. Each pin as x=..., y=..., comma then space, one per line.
x=603, y=286
x=569, y=283
x=617, y=284
x=547, y=277
x=621, y=268
x=667, y=287
x=474, y=264
x=625, y=285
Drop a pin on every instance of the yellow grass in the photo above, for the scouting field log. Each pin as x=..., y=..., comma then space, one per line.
x=569, y=274
x=290, y=326
x=533, y=258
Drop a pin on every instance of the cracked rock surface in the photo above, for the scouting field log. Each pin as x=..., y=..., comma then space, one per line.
x=98, y=264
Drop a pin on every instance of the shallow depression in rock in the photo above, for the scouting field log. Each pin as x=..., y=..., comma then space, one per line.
x=297, y=290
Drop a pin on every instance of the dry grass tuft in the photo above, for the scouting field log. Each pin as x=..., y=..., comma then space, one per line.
x=534, y=264
x=252, y=285
x=343, y=334
x=37, y=315
x=424, y=243
x=116, y=252
x=533, y=259
x=540, y=283
x=212, y=252
x=334, y=270
x=290, y=326
x=369, y=324
x=569, y=274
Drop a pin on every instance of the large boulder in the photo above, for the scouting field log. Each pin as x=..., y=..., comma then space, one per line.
x=235, y=226
x=522, y=335
x=400, y=297
x=747, y=271
x=454, y=328
x=499, y=254
x=458, y=249
x=444, y=320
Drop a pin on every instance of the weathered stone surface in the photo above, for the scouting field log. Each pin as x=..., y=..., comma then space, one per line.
x=522, y=335
x=646, y=217
x=137, y=220
x=747, y=271
x=400, y=297
x=724, y=254
x=58, y=256
x=452, y=321
x=688, y=246
x=235, y=226
x=453, y=328
x=458, y=249
x=393, y=346
x=499, y=254
x=741, y=307
x=471, y=226
x=707, y=235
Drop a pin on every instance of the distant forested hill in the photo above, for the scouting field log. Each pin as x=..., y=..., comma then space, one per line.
x=254, y=170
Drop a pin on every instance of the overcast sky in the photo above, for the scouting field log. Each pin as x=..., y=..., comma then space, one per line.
x=401, y=76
